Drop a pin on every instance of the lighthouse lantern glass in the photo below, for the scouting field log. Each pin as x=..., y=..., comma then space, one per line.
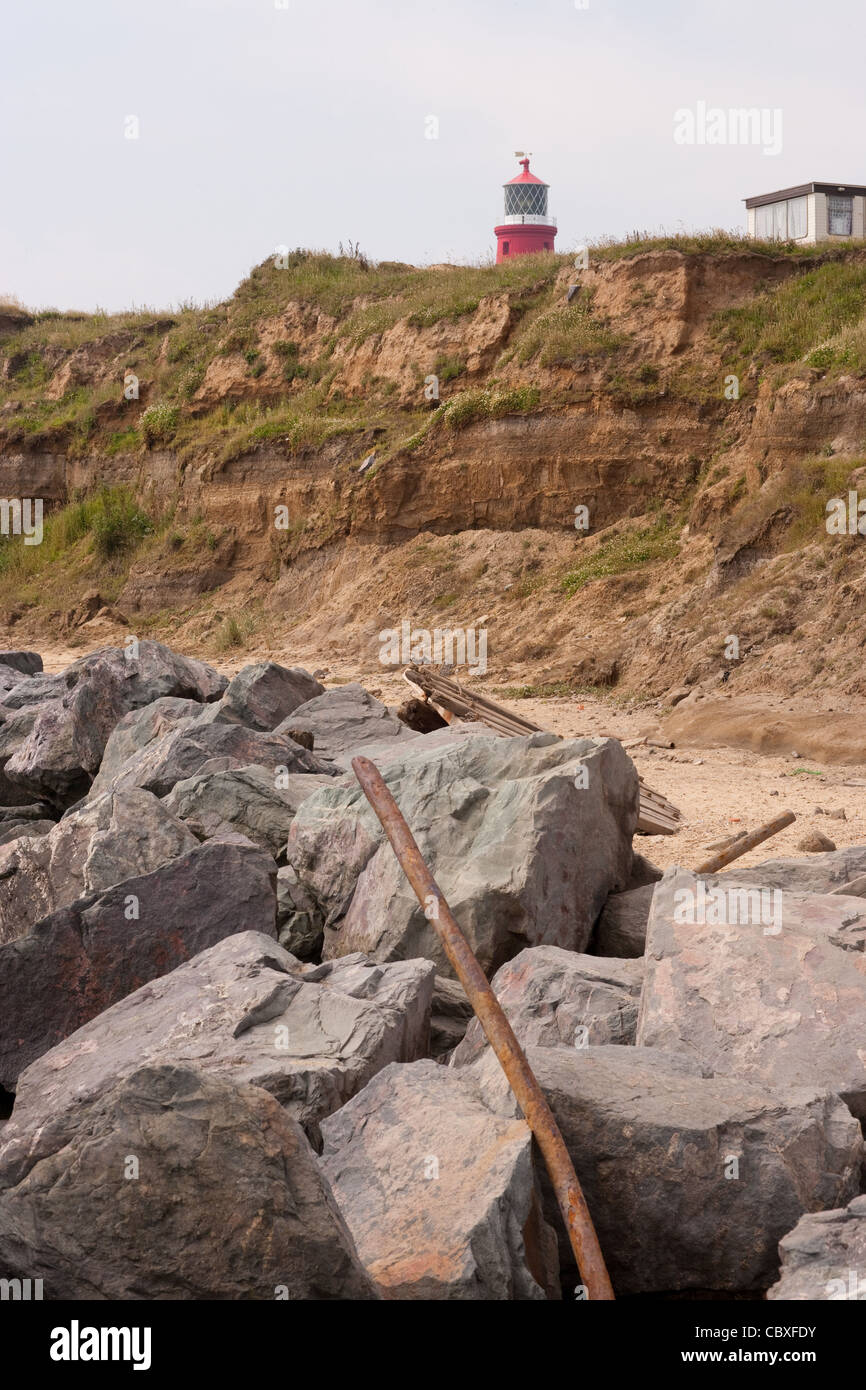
x=525, y=199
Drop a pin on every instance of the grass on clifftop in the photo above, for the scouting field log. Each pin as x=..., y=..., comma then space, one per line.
x=716, y=242
x=171, y=354
x=818, y=317
x=333, y=284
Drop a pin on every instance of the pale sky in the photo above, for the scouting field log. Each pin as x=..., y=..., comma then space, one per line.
x=302, y=123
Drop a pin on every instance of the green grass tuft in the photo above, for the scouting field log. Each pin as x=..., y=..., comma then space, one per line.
x=561, y=335
x=794, y=321
x=110, y=523
x=158, y=424
x=626, y=552
x=487, y=403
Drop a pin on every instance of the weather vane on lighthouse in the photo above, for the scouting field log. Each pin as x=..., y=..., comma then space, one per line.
x=527, y=225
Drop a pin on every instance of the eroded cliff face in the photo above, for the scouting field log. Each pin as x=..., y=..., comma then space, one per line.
x=705, y=504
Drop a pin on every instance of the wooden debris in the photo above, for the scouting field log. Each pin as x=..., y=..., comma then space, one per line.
x=757, y=837
x=726, y=842
x=657, y=815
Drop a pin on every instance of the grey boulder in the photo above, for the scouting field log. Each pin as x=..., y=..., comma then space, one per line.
x=9, y=678
x=556, y=998
x=450, y=1014
x=30, y=811
x=33, y=818
x=170, y=1184
x=15, y=726
x=820, y=873
x=114, y=837
x=248, y=1010
x=299, y=929
x=25, y=663
x=691, y=1181
x=643, y=872
x=621, y=928
x=774, y=993
x=824, y=1257
x=13, y=830
x=199, y=746
x=526, y=838
x=263, y=695
x=137, y=730
x=251, y=800
x=61, y=754
x=34, y=690
x=346, y=720
x=438, y=1192
x=80, y=960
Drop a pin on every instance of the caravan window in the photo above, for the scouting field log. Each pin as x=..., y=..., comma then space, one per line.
x=783, y=221
x=797, y=218
x=839, y=215
x=764, y=221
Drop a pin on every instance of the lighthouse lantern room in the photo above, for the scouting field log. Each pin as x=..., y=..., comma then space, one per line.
x=527, y=226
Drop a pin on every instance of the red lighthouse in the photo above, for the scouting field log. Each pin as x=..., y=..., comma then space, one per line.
x=526, y=226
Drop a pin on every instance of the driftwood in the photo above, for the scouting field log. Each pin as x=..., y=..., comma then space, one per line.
x=742, y=845
x=657, y=815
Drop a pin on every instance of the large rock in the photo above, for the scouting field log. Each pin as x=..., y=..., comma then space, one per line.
x=15, y=726
x=643, y=872
x=33, y=818
x=32, y=811
x=556, y=998
x=61, y=755
x=250, y=800
x=525, y=853
x=136, y=730
x=170, y=1184
x=621, y=929
x=450, y=1015
x=438, y=1192
x=9, y=678
x=778, y=1001
x=117, y=836
x=824, y=1257
x=25, y=663
x=13, y=830
x=34, y=690
x=345, y=721
x=248, y=1010
x=299, y=927
x=200, y=746
x=691, y=1181
x=262, y=695
x=82, y=959
x=819, y=873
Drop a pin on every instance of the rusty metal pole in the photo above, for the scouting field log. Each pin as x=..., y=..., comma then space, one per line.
x=757, y=837
x=530, y=1097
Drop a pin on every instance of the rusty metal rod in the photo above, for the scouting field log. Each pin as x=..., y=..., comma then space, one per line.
x=530, y=1097
x=757, y=837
